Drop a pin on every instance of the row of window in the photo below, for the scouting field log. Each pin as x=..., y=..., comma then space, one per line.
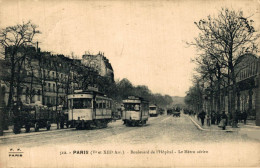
x=244, y=101
x=101, y=104
x=53, y=74
x=249, y=71
x=52, y=100
x=51, y=64
x=51, y=87
x=84, y=103
x=34, y=98
x=48, y=74
x=135, y=106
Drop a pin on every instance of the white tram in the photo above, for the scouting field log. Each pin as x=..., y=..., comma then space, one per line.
x=153, y=110
x=136, y=111
x=89, y=109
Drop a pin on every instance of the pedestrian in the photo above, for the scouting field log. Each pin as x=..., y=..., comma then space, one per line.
x=2, y=116
x=244, y=115
x=239, y=116
x=213, y=117
x=58, y=120
x=198, y=116
x=62, y=120
x=122, y=109
x=223, y=121
x=16, y=116
x=202, y=117
x=230, y=118
x=218, y=118
x=193, y=113
x=208, y=120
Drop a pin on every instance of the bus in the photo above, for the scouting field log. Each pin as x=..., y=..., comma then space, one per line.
x=89, y=109
x=136, y=111
x=153, y=111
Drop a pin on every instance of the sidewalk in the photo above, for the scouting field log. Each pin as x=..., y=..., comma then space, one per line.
x=9, y=133
x=249, y=129
x=211, y=127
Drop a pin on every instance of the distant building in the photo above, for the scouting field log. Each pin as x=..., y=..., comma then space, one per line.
x=100, y=63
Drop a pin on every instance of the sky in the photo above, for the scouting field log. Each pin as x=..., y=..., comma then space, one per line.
x=145, y=41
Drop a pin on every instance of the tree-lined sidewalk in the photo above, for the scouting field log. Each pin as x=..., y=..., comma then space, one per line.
x=223, y=43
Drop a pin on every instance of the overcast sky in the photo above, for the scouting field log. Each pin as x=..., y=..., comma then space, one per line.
x=144, y=40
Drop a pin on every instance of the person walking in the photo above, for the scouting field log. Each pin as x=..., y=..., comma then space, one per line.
x=213, y=117
x=198, y=116
x=17, y=107
x=62, y=120
x=58, y=120
x=244, y=116
x=239, y=116
x=122, y=109
x=208, y=119
x=2, y=117
x=202, y=117
x=218, y=118
x=223, y=121
x=230, y=118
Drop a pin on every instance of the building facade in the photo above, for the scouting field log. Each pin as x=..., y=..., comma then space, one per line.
x=247, y=92
x=100, y=63
x=44, y=78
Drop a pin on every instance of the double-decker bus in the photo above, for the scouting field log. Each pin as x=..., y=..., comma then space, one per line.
x=136, y=111
x=89, y=109
x=153, y=111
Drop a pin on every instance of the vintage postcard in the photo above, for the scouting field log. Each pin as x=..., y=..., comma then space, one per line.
x=138, y=83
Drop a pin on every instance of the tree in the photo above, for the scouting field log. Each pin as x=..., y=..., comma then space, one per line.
x=124, y=88
x=12, y=39
x=194, y=97
x=142, y=91
x=226, y=38
x=211, y=72
x=207, y=70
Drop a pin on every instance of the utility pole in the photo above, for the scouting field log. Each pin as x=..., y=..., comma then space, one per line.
x=257, y=109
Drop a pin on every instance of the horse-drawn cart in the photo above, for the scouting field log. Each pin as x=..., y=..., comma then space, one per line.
x=176, y=114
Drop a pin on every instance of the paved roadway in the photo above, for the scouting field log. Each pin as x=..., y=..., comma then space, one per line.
x=164, y=142
x=159, y=130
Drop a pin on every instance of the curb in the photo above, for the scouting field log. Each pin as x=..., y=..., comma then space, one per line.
x=203, y=129
x=33, y=133
x=252, y=126
x=197, y=125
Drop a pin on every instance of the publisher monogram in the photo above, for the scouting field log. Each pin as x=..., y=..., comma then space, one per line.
x=15, y=152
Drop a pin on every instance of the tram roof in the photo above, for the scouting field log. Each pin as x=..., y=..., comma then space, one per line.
x=135, y=99
x=88, y=92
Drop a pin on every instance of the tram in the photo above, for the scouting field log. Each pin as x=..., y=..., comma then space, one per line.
x=153, y=111
x=89, y=109
x=136, y=111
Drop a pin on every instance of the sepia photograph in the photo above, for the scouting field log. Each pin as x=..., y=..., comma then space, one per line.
x=129, y=83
